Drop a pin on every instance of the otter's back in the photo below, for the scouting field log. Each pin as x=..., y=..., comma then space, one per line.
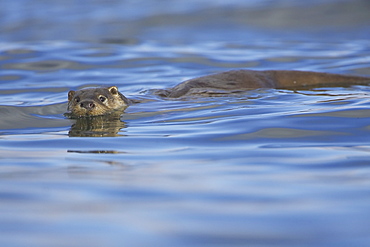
x=250, y=79
x=229, y=80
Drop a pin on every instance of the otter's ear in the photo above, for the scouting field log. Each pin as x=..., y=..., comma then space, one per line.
x=70, y=95
x=113, y=90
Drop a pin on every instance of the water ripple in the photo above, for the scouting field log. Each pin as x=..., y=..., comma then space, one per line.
x=272, y=165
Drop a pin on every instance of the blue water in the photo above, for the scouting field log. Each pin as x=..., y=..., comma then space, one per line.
x=265, y=167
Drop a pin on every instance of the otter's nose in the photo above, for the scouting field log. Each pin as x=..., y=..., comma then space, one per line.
x=88, y=105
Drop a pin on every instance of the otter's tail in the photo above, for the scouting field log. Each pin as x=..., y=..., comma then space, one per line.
x=306, y=79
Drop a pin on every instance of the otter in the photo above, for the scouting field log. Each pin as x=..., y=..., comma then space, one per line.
x=102, y=101
x=96, y=102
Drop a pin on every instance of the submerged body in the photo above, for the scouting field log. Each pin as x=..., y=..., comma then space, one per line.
x=102, y=101
x=242, y=80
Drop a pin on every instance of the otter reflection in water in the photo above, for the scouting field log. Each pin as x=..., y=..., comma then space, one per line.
x=97, y=126
x=103, y=101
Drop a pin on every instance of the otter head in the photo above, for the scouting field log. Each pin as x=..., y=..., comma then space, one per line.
x=95, y=102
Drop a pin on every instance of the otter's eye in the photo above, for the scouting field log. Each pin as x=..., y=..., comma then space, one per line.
x=77, y=99
x=102, y=98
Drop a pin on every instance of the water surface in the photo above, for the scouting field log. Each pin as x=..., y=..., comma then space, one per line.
x=259, y=168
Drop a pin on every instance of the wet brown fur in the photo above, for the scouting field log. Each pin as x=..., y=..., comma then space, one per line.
x=86, y=102
x=251, y=79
